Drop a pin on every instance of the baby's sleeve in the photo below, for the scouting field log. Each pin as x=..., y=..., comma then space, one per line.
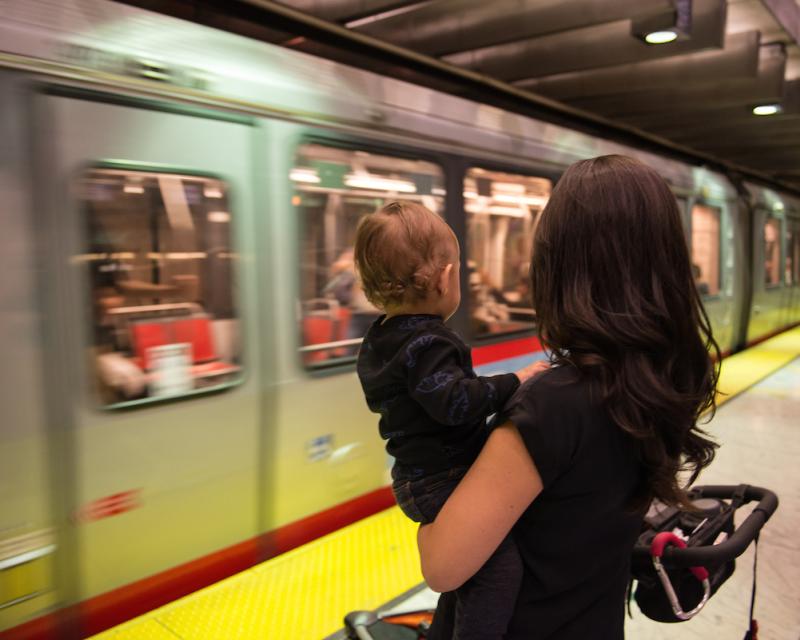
x=450, y=392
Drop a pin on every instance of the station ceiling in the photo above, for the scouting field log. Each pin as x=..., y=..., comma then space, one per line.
x=582, y=61
x=699, y=90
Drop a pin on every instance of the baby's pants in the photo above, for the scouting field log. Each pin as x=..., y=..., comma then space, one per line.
x=481, y=608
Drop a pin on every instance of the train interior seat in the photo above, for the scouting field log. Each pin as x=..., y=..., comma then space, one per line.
x=196, y=331
x=144, y=336
x=324, y=321
x=317, y=329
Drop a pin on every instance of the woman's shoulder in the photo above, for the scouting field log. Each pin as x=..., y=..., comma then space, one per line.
x=560, y=396
x=555, y=384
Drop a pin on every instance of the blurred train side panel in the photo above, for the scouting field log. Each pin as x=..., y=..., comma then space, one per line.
x=179, y=318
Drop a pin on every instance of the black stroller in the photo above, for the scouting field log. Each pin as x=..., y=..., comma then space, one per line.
x=680, y=560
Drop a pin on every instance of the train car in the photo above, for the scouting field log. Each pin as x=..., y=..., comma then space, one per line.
x=179, y=313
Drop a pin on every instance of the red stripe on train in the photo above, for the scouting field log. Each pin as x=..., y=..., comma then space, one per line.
x=114, y=607
x=505, y=350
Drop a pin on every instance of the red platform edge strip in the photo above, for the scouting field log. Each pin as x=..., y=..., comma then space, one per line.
x=504, y=350
x=115, y=607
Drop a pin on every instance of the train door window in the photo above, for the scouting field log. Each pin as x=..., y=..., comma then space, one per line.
x=160, y=267
x=772, y=252
x=501, y=211
x=705, y=249
x=333, y=189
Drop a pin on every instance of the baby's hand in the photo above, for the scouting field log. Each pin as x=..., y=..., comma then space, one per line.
x=532, y=369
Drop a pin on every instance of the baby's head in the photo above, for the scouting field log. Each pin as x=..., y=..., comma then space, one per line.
x=407, y=258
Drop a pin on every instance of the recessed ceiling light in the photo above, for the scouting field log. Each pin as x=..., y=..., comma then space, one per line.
x=766, y=109
x=660, y=37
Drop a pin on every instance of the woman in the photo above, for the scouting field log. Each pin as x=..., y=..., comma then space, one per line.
x=584, y=447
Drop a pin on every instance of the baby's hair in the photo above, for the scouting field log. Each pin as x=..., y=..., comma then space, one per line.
x=399, y=250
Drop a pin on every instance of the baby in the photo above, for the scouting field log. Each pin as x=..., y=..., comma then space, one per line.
x=417, y=374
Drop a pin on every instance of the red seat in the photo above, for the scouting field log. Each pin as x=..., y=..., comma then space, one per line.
x=317, y=330
x=197, y=332
x=145, y=335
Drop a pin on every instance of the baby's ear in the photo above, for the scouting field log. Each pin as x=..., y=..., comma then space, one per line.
x=443, y=283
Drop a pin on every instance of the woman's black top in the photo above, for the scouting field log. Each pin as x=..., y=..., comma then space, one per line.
x=577, y=536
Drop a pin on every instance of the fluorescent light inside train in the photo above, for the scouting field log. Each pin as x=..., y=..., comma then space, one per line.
x=378, y=183
x=766, y=109
x=177, y=255
x=660, y=37
x=511, y=212
x=536, y=201
x=212, y=192
x=219, y=216
x=133, y=188
x=304, y=175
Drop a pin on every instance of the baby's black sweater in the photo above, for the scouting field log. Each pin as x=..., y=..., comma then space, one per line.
x=417, y=375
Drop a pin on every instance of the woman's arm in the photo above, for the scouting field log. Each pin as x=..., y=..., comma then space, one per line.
x=480, y=512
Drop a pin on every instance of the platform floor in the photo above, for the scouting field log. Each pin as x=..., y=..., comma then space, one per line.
x=303, y=594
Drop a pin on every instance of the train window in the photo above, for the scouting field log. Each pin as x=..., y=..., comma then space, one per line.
x=501, y=211
x=160, y=268
x=705, y=249
x=772, y=252
x=334, y=188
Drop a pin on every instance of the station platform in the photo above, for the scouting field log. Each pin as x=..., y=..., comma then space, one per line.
x=305, y=593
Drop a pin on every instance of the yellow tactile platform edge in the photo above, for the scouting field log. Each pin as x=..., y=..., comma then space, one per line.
x=300, y=595
x=742, y=370
x=303, y=594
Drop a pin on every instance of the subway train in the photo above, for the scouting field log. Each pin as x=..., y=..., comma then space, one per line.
x=180, y=315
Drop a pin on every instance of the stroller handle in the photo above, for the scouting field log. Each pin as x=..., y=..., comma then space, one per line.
x=740, y=539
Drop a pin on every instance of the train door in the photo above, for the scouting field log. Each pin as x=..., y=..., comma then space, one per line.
x=153, y=378
x=27, y=541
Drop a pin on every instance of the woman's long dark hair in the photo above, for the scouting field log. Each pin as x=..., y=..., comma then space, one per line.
x=615, y=298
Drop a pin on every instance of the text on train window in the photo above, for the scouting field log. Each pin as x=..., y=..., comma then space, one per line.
x=161, y=276
x=772, y=252
x=705, y=249
x=501, y=211
x=334, y=188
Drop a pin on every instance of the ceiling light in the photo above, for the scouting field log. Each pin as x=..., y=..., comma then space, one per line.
x=664, y=24
x=660, y=37
x=766, y=109
x=378, y=183
x=212, y=192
